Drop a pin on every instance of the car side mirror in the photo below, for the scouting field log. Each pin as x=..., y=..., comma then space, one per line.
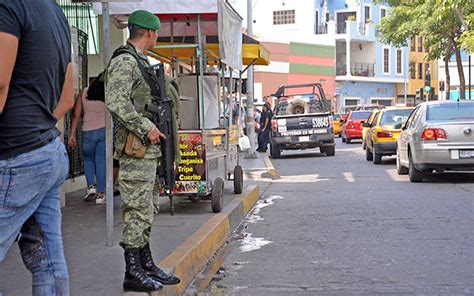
x=398, y=126
x=341, y=121
x=365, y=124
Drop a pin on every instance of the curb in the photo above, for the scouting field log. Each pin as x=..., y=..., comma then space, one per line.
x=270, y=168
x=193, y=255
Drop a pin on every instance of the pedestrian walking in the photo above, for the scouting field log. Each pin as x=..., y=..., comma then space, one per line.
x=92, y=113
x=127, y=93
x=36, y=90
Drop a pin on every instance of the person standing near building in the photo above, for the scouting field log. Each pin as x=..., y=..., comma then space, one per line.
x=36, y=90
x=265, y=124
x=93, y=143
x=127, y=93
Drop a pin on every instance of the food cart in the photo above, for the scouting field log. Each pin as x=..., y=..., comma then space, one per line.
x=203, y=44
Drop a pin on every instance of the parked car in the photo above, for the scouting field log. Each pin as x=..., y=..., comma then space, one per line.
x=383, y=132
x=369, y=107
x=366, y=107
x=301, y=120
x=438, y=136
x=352, y=127
x=366, y=125
x=337, y=124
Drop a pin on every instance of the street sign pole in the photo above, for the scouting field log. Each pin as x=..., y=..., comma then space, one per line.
x=250, y=115
x=109, y=149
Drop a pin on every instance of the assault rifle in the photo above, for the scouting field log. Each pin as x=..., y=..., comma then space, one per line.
x=162, y=110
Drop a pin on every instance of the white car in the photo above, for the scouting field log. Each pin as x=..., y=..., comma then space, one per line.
x=438, y=136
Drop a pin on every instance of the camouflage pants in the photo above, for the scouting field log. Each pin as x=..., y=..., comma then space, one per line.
x=137, y=182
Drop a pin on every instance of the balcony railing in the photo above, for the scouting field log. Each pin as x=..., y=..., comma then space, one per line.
x=357, y=69
x=362, y=69
x=322, y=29
x=341, y=28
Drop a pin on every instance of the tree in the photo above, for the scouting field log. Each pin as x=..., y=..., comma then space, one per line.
x=445, y=25
x=467, y=38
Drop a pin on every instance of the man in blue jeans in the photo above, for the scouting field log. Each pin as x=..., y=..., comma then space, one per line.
x=36, y=89
x=265, y=125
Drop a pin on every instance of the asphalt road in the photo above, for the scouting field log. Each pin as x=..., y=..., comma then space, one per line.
x=344, y=226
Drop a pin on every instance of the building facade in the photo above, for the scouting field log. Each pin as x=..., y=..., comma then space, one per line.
x=417, y=69
x=294, y=63
x=297, y=54
x=367, y=71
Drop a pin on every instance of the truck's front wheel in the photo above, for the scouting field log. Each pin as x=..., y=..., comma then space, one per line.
x=275, y=151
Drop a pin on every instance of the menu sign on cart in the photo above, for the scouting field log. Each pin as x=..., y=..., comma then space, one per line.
x=191, y=173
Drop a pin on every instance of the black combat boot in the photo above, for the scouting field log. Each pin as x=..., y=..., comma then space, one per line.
x=154, y=271
x=136, y=279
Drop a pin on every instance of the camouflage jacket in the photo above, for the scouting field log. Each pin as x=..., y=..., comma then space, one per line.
x=127, y=93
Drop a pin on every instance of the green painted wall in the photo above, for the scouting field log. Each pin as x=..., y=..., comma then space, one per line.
x=312, y=50
x=311, y=69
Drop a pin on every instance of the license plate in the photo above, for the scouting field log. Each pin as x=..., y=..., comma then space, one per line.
x=466, y=153
x=320, y=131
x=304, y=139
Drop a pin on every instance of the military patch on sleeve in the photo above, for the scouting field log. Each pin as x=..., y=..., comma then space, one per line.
x=126, y=58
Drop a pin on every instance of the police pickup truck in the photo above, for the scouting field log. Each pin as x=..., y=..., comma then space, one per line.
x=301, y=120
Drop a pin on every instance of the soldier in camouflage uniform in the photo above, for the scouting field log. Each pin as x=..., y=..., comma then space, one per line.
x=127, y=93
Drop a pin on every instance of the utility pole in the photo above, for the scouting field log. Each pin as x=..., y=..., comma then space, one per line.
x=470, y=95
x=109, y=149
x=405, y=73
x=250, y=95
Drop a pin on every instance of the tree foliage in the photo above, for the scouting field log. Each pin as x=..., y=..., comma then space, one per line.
x=467, y=38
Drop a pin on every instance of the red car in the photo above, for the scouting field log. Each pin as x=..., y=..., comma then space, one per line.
x=352, y=127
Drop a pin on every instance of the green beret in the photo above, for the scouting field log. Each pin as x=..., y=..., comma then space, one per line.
x=144, y=19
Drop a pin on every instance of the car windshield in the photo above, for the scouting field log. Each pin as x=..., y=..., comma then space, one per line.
x=394, y=117
x=450, y=111
x=360, y=115
x=295, y=105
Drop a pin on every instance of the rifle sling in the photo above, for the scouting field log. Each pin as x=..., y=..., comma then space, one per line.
x=154, y=90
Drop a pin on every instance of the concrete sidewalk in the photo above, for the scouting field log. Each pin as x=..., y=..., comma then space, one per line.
x=183, y=243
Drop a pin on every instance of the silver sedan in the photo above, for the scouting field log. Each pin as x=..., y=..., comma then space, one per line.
x=437, y=136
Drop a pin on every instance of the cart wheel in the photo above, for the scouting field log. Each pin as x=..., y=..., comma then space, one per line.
x=194, y=198
x=238, y=180
x=217, y=198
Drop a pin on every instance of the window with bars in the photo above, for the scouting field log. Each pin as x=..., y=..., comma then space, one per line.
x=420, y=44
x=367, y=14
x=386, y=60
x=413, y=44
x=399, y=61
x=412, y=70
x=420, y=71
x=284, y=17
